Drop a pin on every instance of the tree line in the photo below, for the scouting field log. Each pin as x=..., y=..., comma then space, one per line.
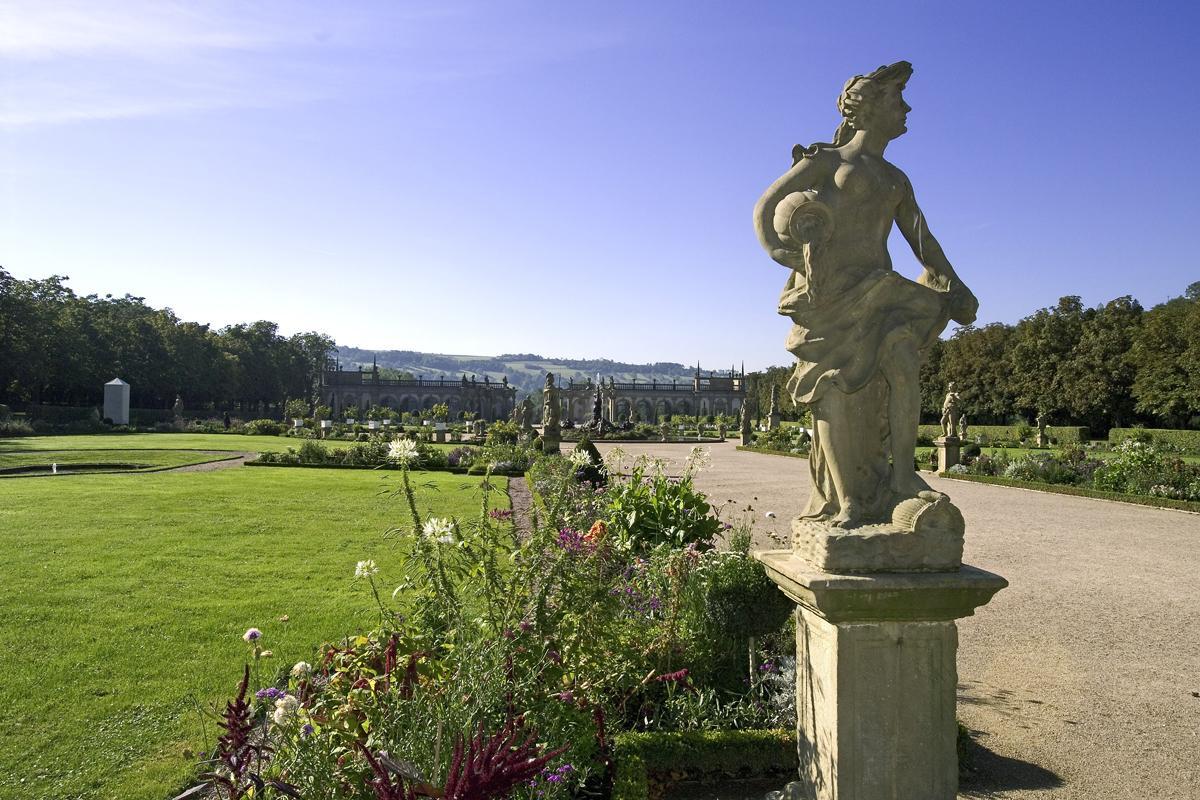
x=1113, y=365
x=60, y=348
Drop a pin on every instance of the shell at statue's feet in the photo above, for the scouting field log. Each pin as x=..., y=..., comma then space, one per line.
x=924, y=535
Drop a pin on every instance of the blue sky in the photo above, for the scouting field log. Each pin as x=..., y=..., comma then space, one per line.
x=575, y=179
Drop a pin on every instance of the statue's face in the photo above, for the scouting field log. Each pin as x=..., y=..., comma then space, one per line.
x=889, y=113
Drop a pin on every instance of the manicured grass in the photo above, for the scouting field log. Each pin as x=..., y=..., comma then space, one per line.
x=126, y=596
x=145, y=459
x=166, y=441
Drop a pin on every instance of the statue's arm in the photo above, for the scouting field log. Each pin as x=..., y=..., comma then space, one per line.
x=938, y=274
x=804, y=175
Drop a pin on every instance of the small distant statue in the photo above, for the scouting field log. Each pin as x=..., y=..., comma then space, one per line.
x=951, y=411
x=525, y=414
x=962, y=427
x=226, y=421
x=1042, y=439
x=551, y=413
x=178, y=407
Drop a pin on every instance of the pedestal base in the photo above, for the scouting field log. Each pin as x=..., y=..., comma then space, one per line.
x=876, y=678
x=948, y=450
x=550, y=442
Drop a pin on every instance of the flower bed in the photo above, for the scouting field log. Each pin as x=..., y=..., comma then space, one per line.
x=1135, y=472
x=512, y=664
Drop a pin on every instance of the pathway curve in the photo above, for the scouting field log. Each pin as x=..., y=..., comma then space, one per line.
x=1080, y=680
x=209, y=466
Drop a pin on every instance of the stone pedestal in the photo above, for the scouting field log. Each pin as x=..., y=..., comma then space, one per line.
x=551, y=440
x=876, y=678
x=439, y=436
x=948, y=450
x=747, y=438
x=1043, y=440
x=773, y=420
x=116, y=401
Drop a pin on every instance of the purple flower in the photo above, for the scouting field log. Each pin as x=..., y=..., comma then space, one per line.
x=566, y=697
x=553, y=655
x=525, y=626
x=501, y=514
x=307, y=730
x=679, y=676
x=269, y=694
x=252, y=634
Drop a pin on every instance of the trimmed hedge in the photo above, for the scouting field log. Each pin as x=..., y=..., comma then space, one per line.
x=748, y=753
x=1079, y=491
x=60, y=415
x=1187, y=441
x=1062, y=434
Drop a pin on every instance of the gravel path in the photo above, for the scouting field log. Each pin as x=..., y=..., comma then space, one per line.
x=1078, y=680
x=237, y=460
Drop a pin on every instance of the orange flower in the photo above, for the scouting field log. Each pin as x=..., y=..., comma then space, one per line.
x=597, y=532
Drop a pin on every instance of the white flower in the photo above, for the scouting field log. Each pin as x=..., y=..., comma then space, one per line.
x=302, y=669
x=365, y=569
x=770, y=515
x=252, y=634
x=700, y=458
x=285, y=709
x=440, y=529
x=403, y=452
x=614, y=459
x=579, y=459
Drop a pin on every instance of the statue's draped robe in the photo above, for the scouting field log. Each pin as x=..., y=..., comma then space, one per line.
x=840, y=340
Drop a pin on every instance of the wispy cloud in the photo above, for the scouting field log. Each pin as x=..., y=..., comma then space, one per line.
x=65, y=61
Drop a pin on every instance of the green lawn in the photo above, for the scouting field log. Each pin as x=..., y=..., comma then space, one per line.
x=165, y=441
x=144, y=459
x=126, y=596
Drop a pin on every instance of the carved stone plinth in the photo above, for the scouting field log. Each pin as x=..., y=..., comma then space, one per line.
x=925, y=534
x=948, y=450
x=551, y=441
x=876, y=678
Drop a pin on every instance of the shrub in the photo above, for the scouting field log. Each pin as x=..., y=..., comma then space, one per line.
x=295, y=409
x=462, y=456
x=1178, y=440
x=503, y=432
x=650, y=508
x=262, y=427
x=15, y=427
x=312, y=452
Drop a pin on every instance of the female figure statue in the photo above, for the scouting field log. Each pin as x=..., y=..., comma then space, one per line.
x=859, y=326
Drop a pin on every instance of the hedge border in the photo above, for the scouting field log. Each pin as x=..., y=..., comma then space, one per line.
x=451, y=470
x=637, y=756
x=1080, y=491
x=1064, y=434
x=1187, y=441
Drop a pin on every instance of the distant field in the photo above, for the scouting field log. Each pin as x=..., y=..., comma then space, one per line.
x=126, y=596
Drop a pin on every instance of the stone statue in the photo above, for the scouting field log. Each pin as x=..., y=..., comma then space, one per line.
x=951, y=411
x=1042, y=439
x=177, y=409
x=550, y=404
x=962, y=427
x=525, y=414
x=773, y=415
x=859, y=326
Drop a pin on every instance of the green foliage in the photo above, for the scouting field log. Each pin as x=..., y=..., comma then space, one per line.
x=440, y=412
x=295, y=409
x=1168, y=439
x=698, y=754
x=15, y=427
x=502, y=432
x=741, y=598
x=263, y=427
x=651, y=508
x=1011, y=434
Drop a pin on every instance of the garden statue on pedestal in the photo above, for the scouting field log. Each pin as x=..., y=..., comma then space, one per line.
x=860, y=326
x=1042, y=439
x=962, y=427
x=951, y=411
x=745, y=425
x=875, y=634
x=773, y=416
x=551, y=404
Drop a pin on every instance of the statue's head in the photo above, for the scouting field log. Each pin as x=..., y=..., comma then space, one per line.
x=549, y=378
x=950, y=386
x=874, y=102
